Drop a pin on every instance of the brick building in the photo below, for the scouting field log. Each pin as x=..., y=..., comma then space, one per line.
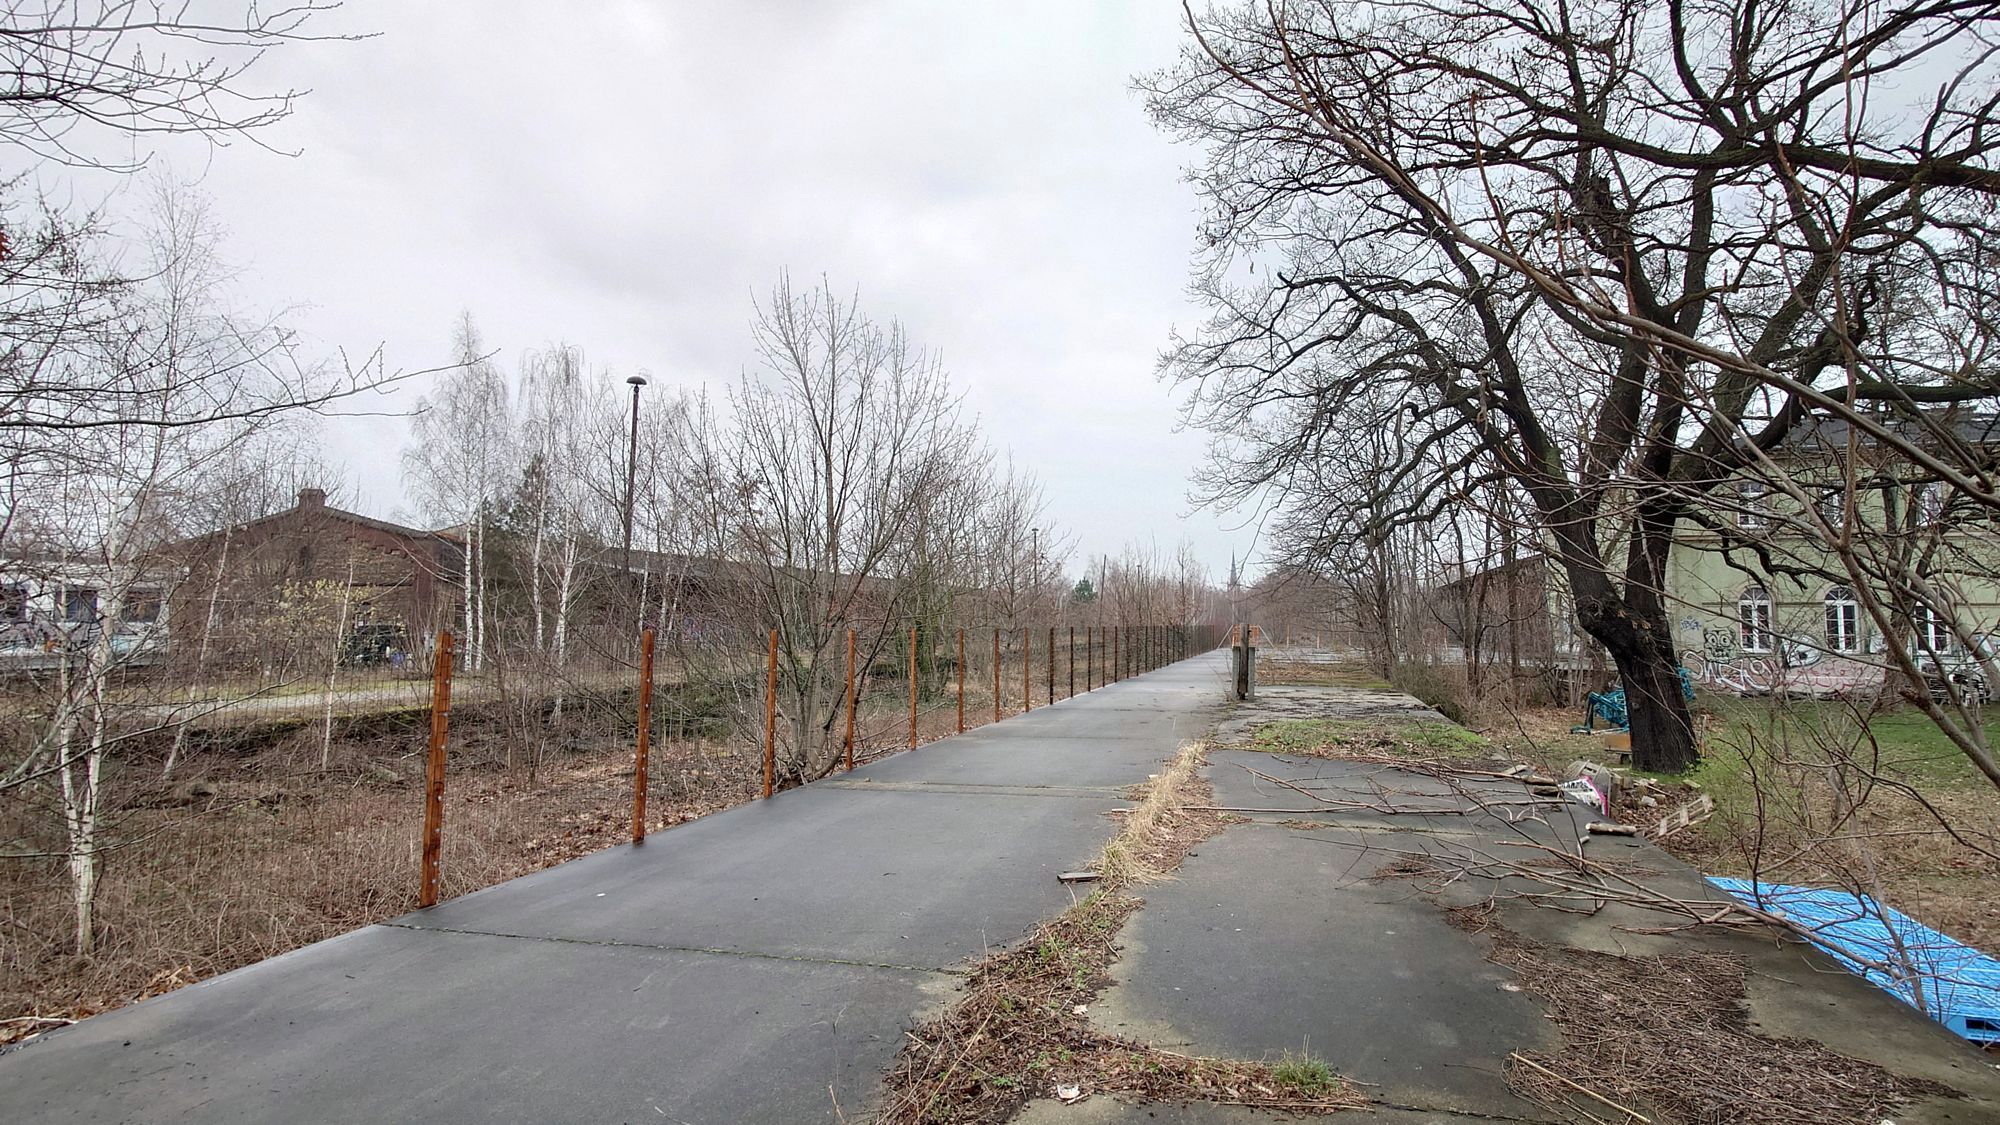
x=255, y=590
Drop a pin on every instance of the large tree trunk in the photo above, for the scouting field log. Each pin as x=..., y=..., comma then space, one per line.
x=1662, y=727
x=1641, y=644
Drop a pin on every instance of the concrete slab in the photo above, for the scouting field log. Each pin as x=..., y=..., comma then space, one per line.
x=1424, y=803
x=1288, y=701
x=997, y=756
x=389, y=1025
x=1341, y=780
x=1270, y=942
x=1794, y=992
x=1175, y=714
x=893, y=877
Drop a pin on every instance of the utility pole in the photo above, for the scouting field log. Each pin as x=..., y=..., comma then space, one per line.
x=631, y=465
x=1034, y=561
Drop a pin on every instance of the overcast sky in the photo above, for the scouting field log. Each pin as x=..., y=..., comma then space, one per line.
x=626, y=176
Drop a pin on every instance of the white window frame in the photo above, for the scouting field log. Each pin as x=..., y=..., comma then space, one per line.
x=1753, y=514
x=1753, y=620
x=1928, y=502
x=1843, y=621
x=1933, y=632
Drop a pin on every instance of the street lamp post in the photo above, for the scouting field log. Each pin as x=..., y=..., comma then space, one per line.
x=1034, y=564
x=632, y=465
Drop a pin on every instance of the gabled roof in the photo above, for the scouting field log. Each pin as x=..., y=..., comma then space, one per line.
x=1977, y=428
x=312, y=504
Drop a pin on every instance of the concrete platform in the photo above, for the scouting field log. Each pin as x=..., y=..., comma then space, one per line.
x=906, y=878
x=759, y=965
x=1485, y=809
x=1274, y=939
x=1273, y=942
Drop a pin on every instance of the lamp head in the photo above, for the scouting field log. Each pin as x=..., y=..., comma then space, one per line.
x=636, y=380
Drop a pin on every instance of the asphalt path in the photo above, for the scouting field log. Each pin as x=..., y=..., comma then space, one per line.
x=758, y=965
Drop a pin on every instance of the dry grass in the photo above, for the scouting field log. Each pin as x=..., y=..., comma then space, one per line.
x=1021, y=1028
x=1275, y=669
x=1159, y=831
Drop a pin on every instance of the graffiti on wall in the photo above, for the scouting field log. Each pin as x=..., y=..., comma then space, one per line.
x=1797, y=664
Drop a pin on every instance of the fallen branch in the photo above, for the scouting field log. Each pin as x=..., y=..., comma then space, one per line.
x=1629, y=1112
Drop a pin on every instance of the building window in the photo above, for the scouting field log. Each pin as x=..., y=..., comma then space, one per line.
x=79, y=605
x=1843, y=621
x=1755, y=512
x=1933, y=630
x=1833, y=507
x=1753, y=615
x=13, y=604
x=142, y=607
x=1929, y=502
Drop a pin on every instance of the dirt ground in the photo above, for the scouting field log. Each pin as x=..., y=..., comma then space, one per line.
x=239, y=860
x=1782, y=825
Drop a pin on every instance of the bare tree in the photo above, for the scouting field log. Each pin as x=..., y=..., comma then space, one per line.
x=78, y=72
x=460, y=456
x=97, y=509
x=1609, y=253
x=842, y=439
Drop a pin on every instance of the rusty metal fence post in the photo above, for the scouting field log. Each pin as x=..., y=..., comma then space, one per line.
x=961, y=679
x=640, y=748
x=996, y=674
x=433, y=843
x=1111, y=670
x=849, y=741
x=1089, y=656
x=1072, y=662
x=1027, y=671
x=913, y=687
x=1049, y=665
x=771, y=719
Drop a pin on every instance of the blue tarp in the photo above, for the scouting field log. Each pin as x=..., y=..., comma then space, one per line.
x=1957, y=985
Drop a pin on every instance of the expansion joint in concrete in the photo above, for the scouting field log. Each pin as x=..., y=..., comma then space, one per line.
x=797, y=958
x=1294, y=821
x=1457, y=1114
x=967, y=788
